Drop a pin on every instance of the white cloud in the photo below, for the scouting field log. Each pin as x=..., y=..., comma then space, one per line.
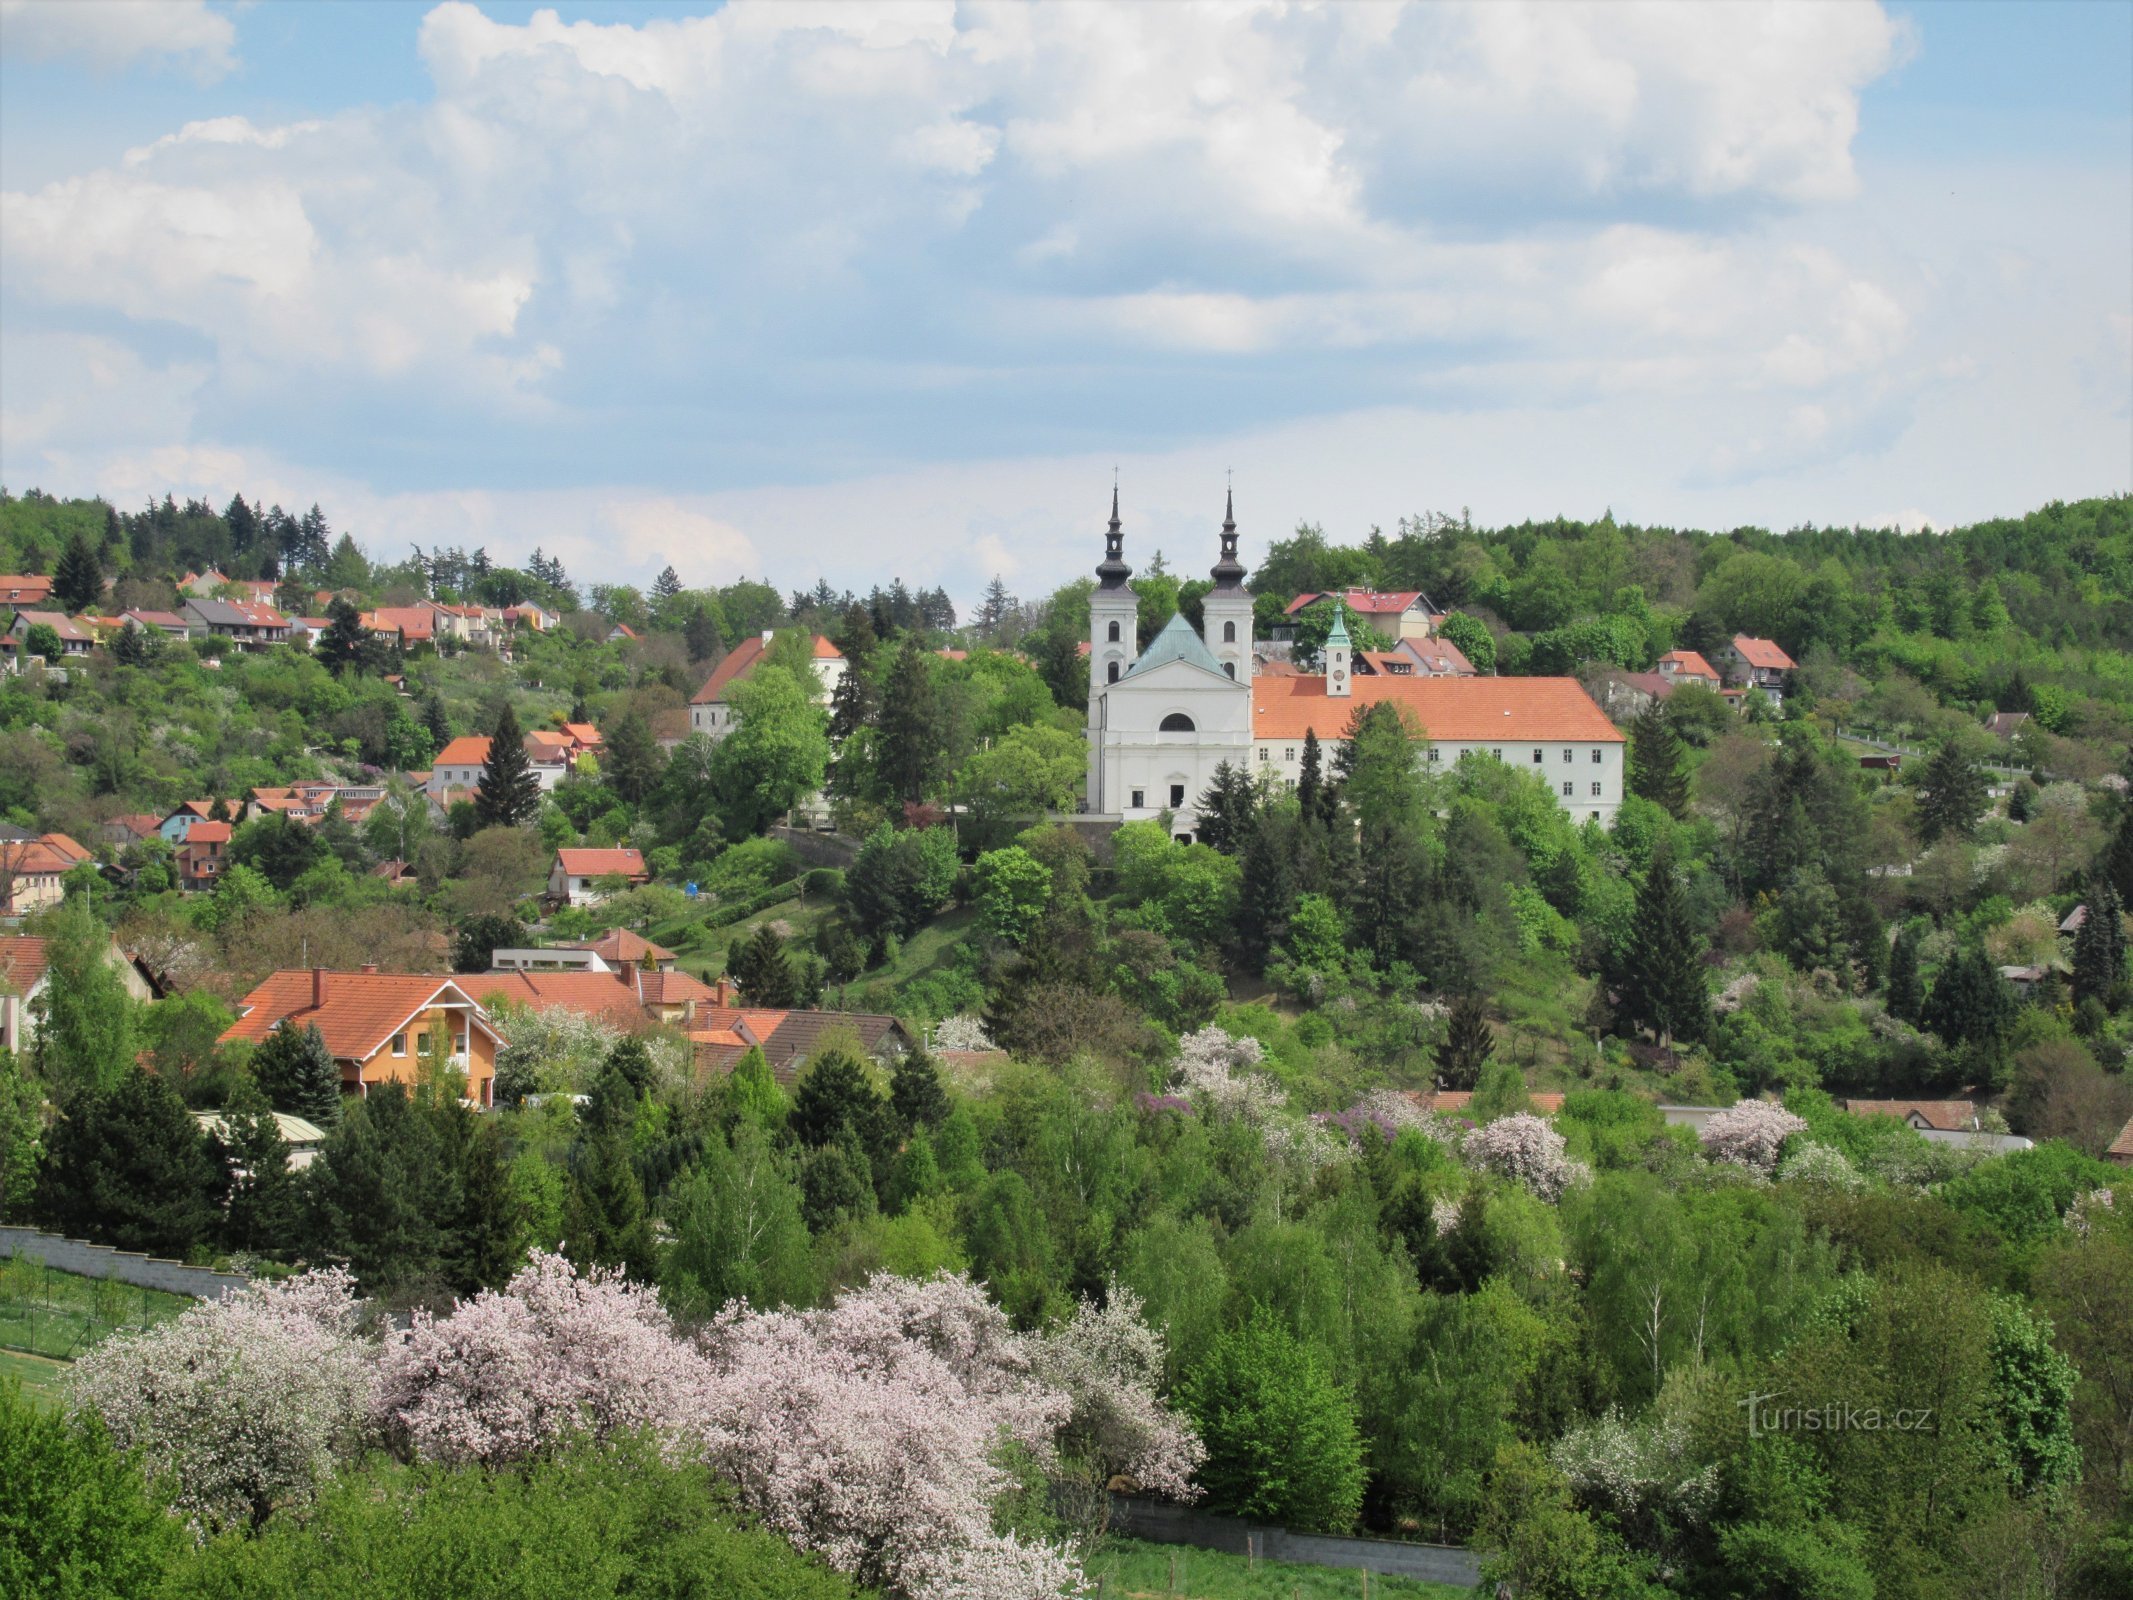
x=114, y=34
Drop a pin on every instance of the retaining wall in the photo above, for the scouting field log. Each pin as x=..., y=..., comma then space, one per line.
x=1160, y=1522
x=128, y=1266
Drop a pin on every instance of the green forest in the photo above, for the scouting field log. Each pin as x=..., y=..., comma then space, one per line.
x=1617, y=1353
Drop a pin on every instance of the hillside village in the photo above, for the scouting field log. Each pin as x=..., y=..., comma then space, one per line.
x=1510, y=980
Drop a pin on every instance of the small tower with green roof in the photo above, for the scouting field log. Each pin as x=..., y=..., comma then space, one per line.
x=1337, y=652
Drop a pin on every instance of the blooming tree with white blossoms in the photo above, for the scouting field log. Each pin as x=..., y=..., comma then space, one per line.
x=1523, y=1148
x=516, y=1371
x=1218, y=1065
x=1108, y=1362
x=246, y=1403
x=1750, y=1133
x=870, y=1433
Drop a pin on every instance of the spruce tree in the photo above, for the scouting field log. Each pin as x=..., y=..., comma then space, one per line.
x=915, y=1092
x=129, y=1167
x=606, y=1223
x=297, y=1074
x=632, y=760
x=1662, y=977
x=341, y=645
x=487, y=1240
x=1310, y=777
x=701, y=634
x=2117, y=863
x=1467, y=1044
x=914, y=735
x=1225, y=810
x=436, y=721
x=1970, y=1003
x=666, y=586
x=78, y=580
x=260, y=1212
x=1906, y=994
x=1951, y=794
x=761, y=970
x=1656, y=772
x=2100, y=945
x=510, y=794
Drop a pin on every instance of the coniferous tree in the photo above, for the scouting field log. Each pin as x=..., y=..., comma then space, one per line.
x=382, y=1192
x=666, y=586
x=128, y=1166
x=78, y=580
x=297, y=1074
x=701, y=634
x=487, y=1240
x=1225, y=810
x=1970, y=1003
x=2100, y=945
x=915, y=1092
x=1951, y=794
x=1906, y=993
x=436, y=721
x=341, y=645
x=1662, y=974
x=510, y=794
x=1467, y=1044
x=2117, y=863
x=259, y=1213
x=218, y=810
x=1311, y=777
x=1267, y=894
x=632, y=760
x=1656, y=772
x=243, y=524
x=913, y=740
x=762, y=971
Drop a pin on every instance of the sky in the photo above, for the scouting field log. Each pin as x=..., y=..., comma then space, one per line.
x=869, y=291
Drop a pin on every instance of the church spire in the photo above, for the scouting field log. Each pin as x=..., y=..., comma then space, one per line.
x=1228, y=572
x=1114, y=572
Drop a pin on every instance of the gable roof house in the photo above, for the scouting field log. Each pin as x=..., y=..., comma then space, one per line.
x=24, y=589
x=1753, y=663
x=1398, y=613
x=30, y=873
x=1686, y=666
x=201, y=856
x=377, y=1024
x=248, y=624
x=712, y=716
x=25, y=973
x=74, y=639
x=458, y=764
x=574, y=877
x=790, y=1039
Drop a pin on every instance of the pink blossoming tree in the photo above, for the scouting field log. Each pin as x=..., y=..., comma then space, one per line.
x=1750, y=1133
x=1523, y=1148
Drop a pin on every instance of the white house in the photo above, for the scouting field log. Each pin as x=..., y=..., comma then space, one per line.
x=1161, y=720
x=575, y=876
x=711, y=714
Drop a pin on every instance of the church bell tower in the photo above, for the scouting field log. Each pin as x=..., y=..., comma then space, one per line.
x=1114, y=645
x=1226, y=613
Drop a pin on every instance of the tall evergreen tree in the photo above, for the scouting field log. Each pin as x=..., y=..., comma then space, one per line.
x=631, y=761
x=436, y=721
x=1656, y=772
x=78, y=580
x=1311, y=777
x=129, y=1167
x=701, y=634
x=1951, y=794
x=762, y=971
x=510, y=794
x=913, y=743
x=1226, y=809
x=243, y=524
x=915, y=1092
x=1906, y=993
x=341, y=645
x=259, y=1214
x=1661, y=978
x=1267, y=891
x=382, y=1192
x=605, y=1220
x=2100, y=945
x=856, y=640
x=2117, y=863
x=666, y=586
x=487, y=1240
x=297, y=1074
x=1970, y=1003
x=1467, y=1044
x=994, y=609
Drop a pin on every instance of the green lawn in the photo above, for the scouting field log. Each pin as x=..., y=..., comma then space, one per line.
x=1122, y=1568
x=51, y=1313
x=41, y=1377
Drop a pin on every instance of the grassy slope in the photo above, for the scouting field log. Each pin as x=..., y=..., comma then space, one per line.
x=42, y=1378
x=1127, y=1567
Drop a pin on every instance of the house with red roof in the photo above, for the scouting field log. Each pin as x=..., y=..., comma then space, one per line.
x=457, y=770
x=248, y=624
x=31, y=871
x=378, y=1025
x=25, y=975
x=1396, y=613
x=576, y=876
x=789, y=1040
x=24, y=589
x=711, y=714
x=203, y=855
x=1752, y=663
x=74, y=639
x=1687, y=666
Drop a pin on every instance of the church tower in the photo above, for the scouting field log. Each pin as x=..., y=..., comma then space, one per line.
x=1337, y=652
x=1226, y=613
x=1114, y=642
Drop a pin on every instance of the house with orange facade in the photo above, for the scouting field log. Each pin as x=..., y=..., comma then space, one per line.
x=378, y=1025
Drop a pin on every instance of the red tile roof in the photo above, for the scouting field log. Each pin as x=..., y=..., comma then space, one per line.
x=208, y=833
x=1688, y=664
x=468, y=750
x=2122, y=1147
x=601, y=863
x=362, y=1010
x=1947, y=1116
x=1454, y=710
x=22, y=964
x=410, y=622
x=1762, y=653
x=592, y=994
x=65, y=846
x=1453, y=1102
x=620, y=944
x=656, y=987
x=1367, y=602
x=59, y=622
x=741, y=660
x=22, y=589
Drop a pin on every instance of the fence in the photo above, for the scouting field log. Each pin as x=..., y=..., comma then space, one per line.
x=52, y=1313
x=127, y=1266
x=1159, y=1522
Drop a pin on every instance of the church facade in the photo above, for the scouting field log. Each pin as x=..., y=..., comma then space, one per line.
x=1163, y=717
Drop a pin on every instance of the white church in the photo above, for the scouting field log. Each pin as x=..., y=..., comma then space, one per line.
x=1163, y=717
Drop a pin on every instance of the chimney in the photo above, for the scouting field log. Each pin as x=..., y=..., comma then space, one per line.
x=318, y=987
x=370, y=966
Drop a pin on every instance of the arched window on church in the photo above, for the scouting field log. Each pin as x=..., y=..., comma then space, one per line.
x=1176, y=722
x=1229, y=633
x=1114, y=633
x=1114, y=665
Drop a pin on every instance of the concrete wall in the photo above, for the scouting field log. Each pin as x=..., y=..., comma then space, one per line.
x=128, y=1266
x=1160, y=1522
